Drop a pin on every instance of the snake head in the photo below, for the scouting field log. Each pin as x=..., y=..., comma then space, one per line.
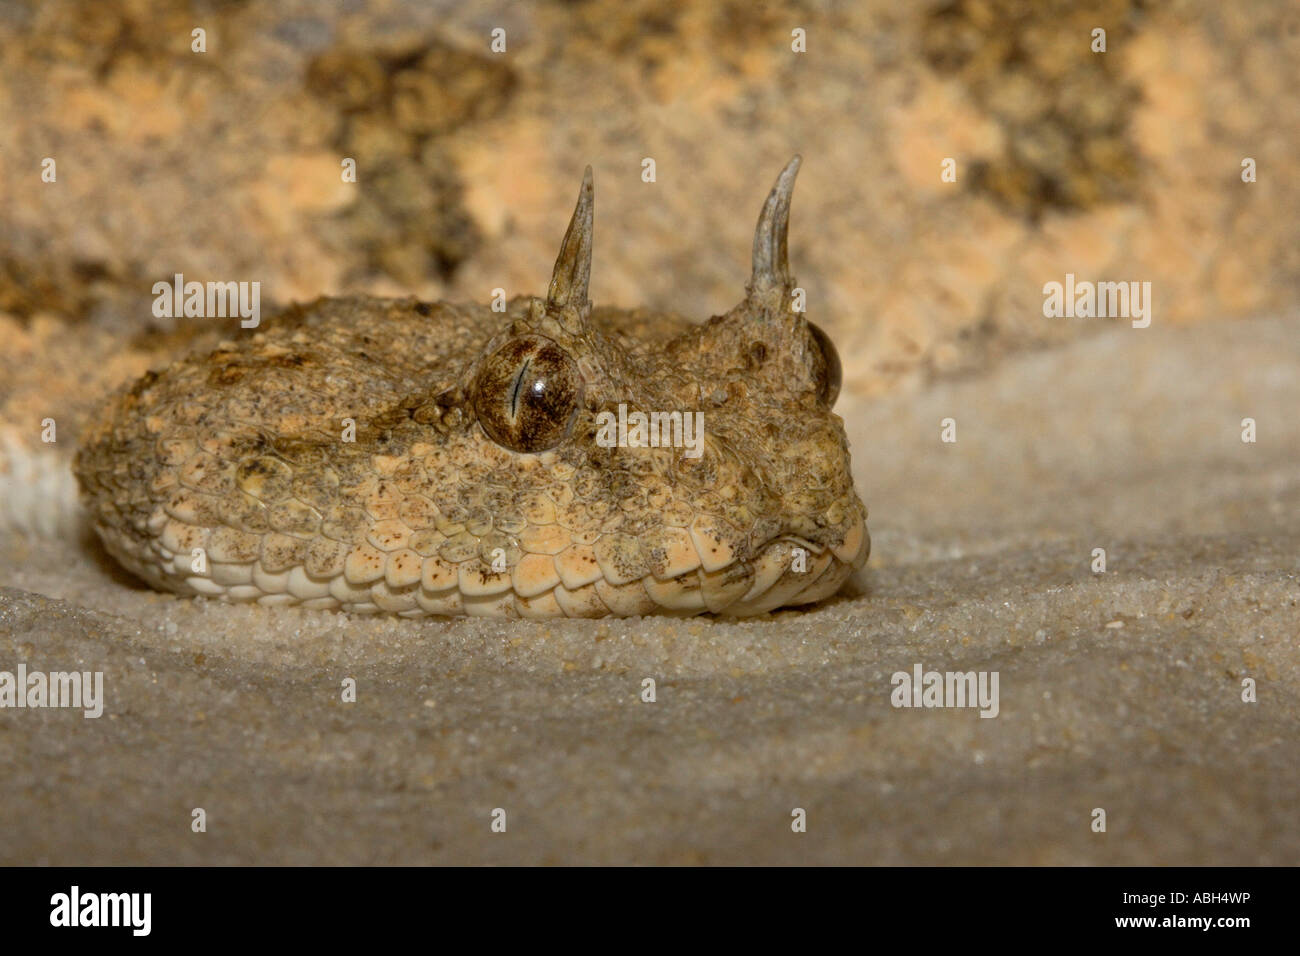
x=557, y=459
x=704, y=463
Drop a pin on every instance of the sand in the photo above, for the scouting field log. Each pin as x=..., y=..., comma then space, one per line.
x=1119, y=690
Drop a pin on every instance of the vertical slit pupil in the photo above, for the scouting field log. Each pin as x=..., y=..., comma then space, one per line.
x=517, y=387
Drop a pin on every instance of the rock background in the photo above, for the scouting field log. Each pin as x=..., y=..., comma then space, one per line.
x=225, y=164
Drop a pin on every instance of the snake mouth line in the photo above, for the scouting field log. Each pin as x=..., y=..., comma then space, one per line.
x=786, y=572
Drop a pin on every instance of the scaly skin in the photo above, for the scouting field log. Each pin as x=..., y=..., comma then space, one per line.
x=475, y=484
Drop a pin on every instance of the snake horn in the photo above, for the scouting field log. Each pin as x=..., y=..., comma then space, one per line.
x=572, y=275
x=771, y=258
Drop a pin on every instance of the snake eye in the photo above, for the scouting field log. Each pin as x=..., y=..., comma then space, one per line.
x=527, y=393
x=827, y=371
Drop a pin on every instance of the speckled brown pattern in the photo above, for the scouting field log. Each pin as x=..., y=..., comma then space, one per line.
x=242, y=452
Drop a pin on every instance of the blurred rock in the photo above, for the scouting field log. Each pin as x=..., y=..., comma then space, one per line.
x=1117, y=165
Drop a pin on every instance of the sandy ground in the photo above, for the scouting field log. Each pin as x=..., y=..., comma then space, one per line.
x=1120, y=691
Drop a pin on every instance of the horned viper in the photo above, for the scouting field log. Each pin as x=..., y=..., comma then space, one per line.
x=392, y=455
